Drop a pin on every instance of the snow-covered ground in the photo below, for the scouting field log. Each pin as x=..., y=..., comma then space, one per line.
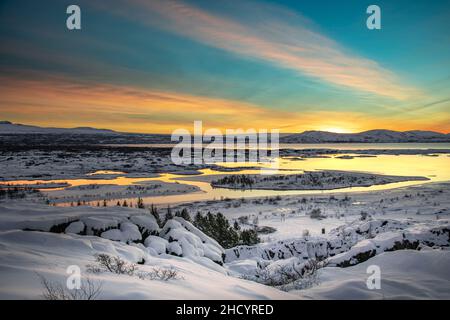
x=98, y=192
x=405, y=274
x=26, y=255
x=308, y=180
x=38, y=241
x=291, y=215
x=315, y=245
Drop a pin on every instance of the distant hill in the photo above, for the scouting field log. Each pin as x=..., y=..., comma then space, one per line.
x=7, y=127
x=114, y=137
x=371, y=136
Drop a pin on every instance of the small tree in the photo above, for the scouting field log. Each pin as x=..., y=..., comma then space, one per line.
x=199, y=221
x=140, y=203
x=183, y=214
x=154, y=213
x=249, y=237
x=169, y=215
x=316, y=214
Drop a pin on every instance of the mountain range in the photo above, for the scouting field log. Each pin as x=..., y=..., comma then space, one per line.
x=371, y=136
x=7, y=127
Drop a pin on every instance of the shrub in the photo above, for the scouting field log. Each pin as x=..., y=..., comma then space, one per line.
x=316, y=214
x=107, y=263
x=364, y=215
x=89, y=290
x=111, y=264
x=159, y=274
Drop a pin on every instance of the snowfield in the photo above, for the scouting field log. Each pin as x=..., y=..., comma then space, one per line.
x=405, y=274
x=24, y=255
x=39, y=241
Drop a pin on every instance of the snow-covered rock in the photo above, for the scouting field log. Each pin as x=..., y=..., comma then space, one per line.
x=146, y=222
x=187, y=241
x=75, y=227
x=156, y=243
x=405, y=274
x=128, y=232
x=349, y=244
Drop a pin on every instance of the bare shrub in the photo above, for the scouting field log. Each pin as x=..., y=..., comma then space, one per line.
x=111, y=264
x=159, y=274
x=52, y=290
x=107, y=263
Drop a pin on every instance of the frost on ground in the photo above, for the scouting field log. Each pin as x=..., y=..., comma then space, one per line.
x=39, y=241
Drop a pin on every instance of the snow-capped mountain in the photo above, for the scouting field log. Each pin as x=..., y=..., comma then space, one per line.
x=371, y=136
x=366, y=136
x=7, y=127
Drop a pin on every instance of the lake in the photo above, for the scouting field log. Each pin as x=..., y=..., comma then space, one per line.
x=435, y=167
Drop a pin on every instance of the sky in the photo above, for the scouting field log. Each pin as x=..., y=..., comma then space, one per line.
x=154, y=66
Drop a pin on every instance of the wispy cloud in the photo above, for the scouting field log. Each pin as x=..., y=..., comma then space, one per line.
x=68, y=102
x=276, y=35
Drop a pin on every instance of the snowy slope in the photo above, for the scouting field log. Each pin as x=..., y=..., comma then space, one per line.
x=25, y=254
x=39, y=240
x=405, y=274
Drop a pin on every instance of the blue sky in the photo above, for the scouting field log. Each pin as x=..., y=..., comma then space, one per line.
x=153, y=66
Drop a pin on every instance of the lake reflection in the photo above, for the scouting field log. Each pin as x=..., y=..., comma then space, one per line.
x=435, y=168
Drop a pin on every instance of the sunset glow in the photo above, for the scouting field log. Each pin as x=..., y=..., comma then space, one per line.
x=173, y=62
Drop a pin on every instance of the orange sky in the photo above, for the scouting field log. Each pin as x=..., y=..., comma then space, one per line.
x=60, y=102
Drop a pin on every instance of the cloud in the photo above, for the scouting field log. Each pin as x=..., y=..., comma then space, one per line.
x=275, y=35
x=70, y=102
x=60, y=101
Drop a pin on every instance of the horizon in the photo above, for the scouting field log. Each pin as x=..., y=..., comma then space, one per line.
x=155, y=66
x=161, y=133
